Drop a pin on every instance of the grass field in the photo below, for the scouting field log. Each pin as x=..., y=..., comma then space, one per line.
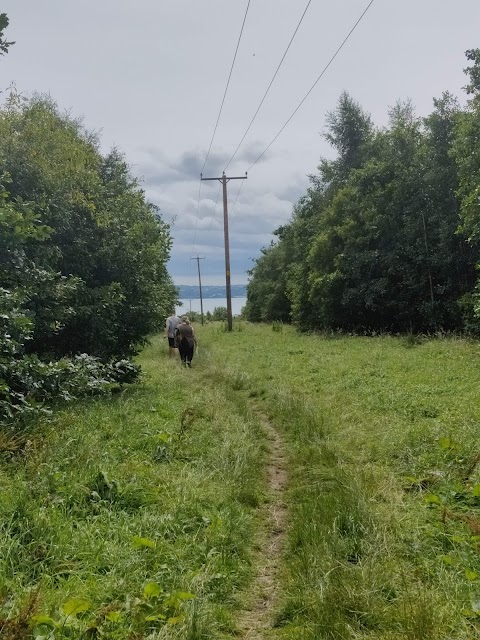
x=131, y=517
x=138, y=516
x=383, y=435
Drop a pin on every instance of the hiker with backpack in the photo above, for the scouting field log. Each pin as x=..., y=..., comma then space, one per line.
x=186, y=341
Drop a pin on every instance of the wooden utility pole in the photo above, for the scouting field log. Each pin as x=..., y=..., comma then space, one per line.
x=197, y=258
x=224, y=179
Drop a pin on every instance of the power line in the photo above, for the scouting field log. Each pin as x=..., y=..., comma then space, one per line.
x=269, y=86
x=226, y=88
x=198, y=211
x=315, y=83
x=215, y=209
x=236, y=197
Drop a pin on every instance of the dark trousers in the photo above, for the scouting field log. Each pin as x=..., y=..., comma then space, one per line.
x=186, y=352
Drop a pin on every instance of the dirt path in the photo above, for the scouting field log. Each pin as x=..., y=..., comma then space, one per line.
x=258, y=618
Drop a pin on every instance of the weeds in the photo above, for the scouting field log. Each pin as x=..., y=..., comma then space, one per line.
x=133, y=515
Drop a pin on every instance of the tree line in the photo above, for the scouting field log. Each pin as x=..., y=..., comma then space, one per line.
x=83, y=259
x=387, y=236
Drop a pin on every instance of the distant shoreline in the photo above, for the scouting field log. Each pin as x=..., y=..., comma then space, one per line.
x=186, y=292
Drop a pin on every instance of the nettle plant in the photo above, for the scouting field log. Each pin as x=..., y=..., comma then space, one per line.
x=153, y=608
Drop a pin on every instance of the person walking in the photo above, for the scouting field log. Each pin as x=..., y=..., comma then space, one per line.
x=186, y=341
x=171, y=324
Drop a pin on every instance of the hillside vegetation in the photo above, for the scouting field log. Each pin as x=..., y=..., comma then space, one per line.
x=386, y=237
x=83, y=261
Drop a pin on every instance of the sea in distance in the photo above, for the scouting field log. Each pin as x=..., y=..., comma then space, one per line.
x=209, y=304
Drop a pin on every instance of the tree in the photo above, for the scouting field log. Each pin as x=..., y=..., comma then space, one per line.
x=4, y=44
x=105, y=237
x=473, y=72
x=376, y=243
x=349, y=129
x=219, y=314
x=266, y=292
x=467, y=155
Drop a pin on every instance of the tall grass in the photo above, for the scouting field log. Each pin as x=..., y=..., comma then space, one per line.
x=382, y=436
x=157, y=486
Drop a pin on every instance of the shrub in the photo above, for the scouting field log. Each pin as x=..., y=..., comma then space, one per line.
x=27, y=383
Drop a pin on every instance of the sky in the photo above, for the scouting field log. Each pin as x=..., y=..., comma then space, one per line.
x=149, y=76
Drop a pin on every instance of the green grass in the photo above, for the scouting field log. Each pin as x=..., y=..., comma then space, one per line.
x=383, y=442
x=155, y=485
x=129, y=506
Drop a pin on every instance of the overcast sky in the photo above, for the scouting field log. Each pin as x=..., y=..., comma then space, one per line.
x=150, y=75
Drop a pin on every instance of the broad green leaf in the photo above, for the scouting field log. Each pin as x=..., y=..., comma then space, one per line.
x=471, y=575
x=447, y=443
x=139, y=542
x=184, y=595
x=431, y=498
x=155, y=617
x=458, y=539
x=75, y=606
x=152, y=590
x=476, y=491
x=113, y=616
x=447, y=560
x=40, y=619
x=175, y=620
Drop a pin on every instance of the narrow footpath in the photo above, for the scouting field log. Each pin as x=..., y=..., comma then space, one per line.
x=258, y=618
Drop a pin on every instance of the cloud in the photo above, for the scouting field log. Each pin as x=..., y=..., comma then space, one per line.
x=197, y=225
x=157, y=170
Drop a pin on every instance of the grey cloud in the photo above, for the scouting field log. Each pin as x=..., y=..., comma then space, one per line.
x=157, y=170
x=294, y=192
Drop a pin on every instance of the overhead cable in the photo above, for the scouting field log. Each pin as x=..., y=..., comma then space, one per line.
x=315, y=83
x=215, y=208
x=198, y=212
x=236, y=198
x=269, y=86
x=226, y=88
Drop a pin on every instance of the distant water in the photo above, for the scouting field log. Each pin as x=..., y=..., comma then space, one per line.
x=209, y=304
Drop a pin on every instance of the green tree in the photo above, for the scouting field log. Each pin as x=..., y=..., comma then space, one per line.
x=473, y=72
x=219, y=314
x=266, y=292
x=105, y=237
x=375, y=244
x=4, y=44
x=467, y=155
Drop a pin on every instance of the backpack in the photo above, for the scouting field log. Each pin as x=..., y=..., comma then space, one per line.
x=177, y=338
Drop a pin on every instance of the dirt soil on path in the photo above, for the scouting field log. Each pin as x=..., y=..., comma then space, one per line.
x=256, y=620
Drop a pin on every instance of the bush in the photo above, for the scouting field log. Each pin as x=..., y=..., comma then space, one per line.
x=27, y=384
x=219, y=313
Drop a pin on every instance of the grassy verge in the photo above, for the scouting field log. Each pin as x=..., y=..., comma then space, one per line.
x=385, y=479
x=131, y=517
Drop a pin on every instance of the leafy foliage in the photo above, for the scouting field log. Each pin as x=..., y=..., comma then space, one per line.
x=219, y=313
x=4, y=44
x=377, y=243
x=82, y=260
x=27, y=383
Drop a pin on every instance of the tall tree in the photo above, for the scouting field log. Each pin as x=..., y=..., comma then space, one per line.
x=4, y=44
x=104, y=234
x=376, y=244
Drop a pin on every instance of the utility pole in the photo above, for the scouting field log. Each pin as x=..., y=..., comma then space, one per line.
x=199, y=285
x=224, y=179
